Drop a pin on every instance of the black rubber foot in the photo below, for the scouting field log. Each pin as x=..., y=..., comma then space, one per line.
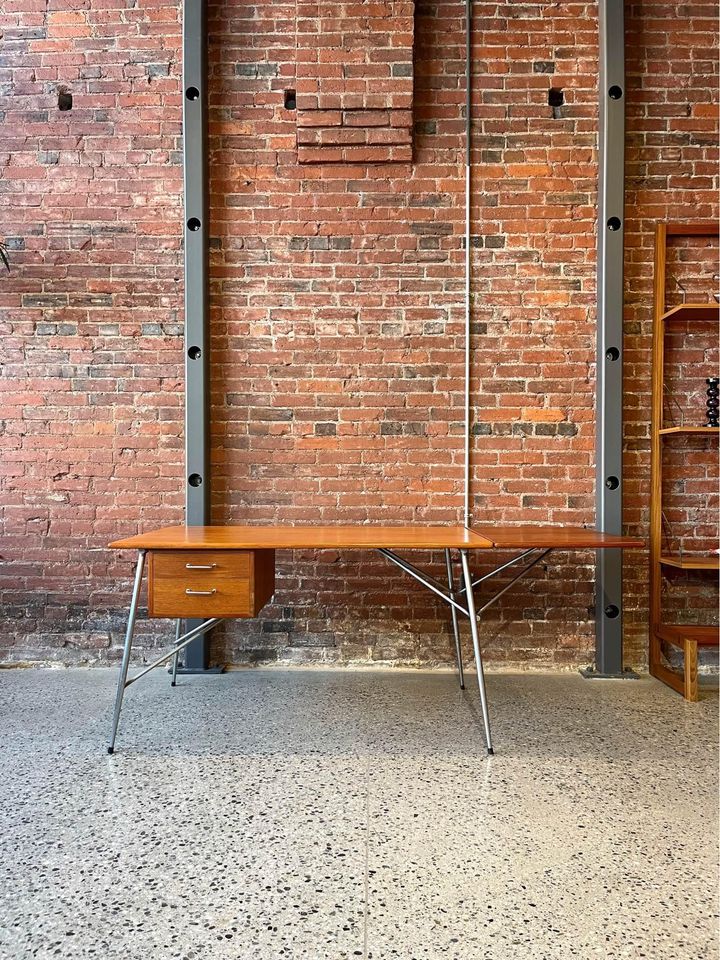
x=491, y=752
x=172, y=683
x=111, y=750
x=462, y=686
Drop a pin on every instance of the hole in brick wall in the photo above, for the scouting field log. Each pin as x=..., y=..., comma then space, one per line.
x=556, y=97
x=612, y=611
x=290, y=100
x=614, y=223
x=192, y=93
x=64, y=100
x=612, y=483
x=194, y=353
x=615, y=92
x=193, y=224
x=612, y=353
x=195, y=480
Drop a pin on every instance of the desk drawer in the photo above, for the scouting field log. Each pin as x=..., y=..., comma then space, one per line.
x=209, y=583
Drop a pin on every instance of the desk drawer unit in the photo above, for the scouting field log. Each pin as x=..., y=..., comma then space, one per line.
x=209, y=583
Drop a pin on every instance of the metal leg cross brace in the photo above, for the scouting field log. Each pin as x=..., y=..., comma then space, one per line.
x=451, y=596
x=180, y=643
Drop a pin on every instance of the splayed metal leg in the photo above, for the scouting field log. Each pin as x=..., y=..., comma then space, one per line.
x=455, y=624
x=128, y=647
x=173, y=681
x=470, y=598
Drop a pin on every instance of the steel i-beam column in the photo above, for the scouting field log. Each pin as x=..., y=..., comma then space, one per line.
x=197, y=319
x=611, y=189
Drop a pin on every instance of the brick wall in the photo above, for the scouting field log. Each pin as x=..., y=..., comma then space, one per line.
x=337, y=311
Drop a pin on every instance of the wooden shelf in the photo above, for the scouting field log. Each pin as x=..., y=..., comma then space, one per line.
x=677, y=633
x=690, y=563
x=699, y=228
x=697, y=312
x=666, y=431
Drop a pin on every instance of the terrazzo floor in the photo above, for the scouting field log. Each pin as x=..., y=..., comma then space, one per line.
x=270, y=814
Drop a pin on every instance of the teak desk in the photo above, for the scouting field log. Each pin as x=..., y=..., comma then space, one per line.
x=213, y=573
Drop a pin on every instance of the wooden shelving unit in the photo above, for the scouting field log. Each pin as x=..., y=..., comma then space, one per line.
x=685, y=638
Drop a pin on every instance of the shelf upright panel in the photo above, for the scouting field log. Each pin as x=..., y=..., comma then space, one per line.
x=656, y=425
x=608, y=470
x=197, y=315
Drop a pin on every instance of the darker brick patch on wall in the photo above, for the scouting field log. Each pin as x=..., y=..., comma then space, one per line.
x=337, y=306
x=354, y=81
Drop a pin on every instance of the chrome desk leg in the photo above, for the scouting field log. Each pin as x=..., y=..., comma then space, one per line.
x=128, y=647
x=470, y=597
x=453, y=611
x=176, y=657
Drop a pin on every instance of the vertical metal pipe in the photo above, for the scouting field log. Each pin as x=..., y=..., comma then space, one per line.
x=609, y=437
x=197, y=312
x=467, y=515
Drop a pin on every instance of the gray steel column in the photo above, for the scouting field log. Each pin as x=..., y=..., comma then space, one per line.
x=197, y=317
x=608, y=598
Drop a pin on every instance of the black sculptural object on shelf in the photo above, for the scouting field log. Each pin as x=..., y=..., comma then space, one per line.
x=713, y=401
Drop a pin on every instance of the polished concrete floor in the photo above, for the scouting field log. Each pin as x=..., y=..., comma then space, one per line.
x=270, y=814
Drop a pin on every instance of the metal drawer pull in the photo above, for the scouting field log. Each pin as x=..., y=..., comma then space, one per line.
x=200, y=566
x=200, y=593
